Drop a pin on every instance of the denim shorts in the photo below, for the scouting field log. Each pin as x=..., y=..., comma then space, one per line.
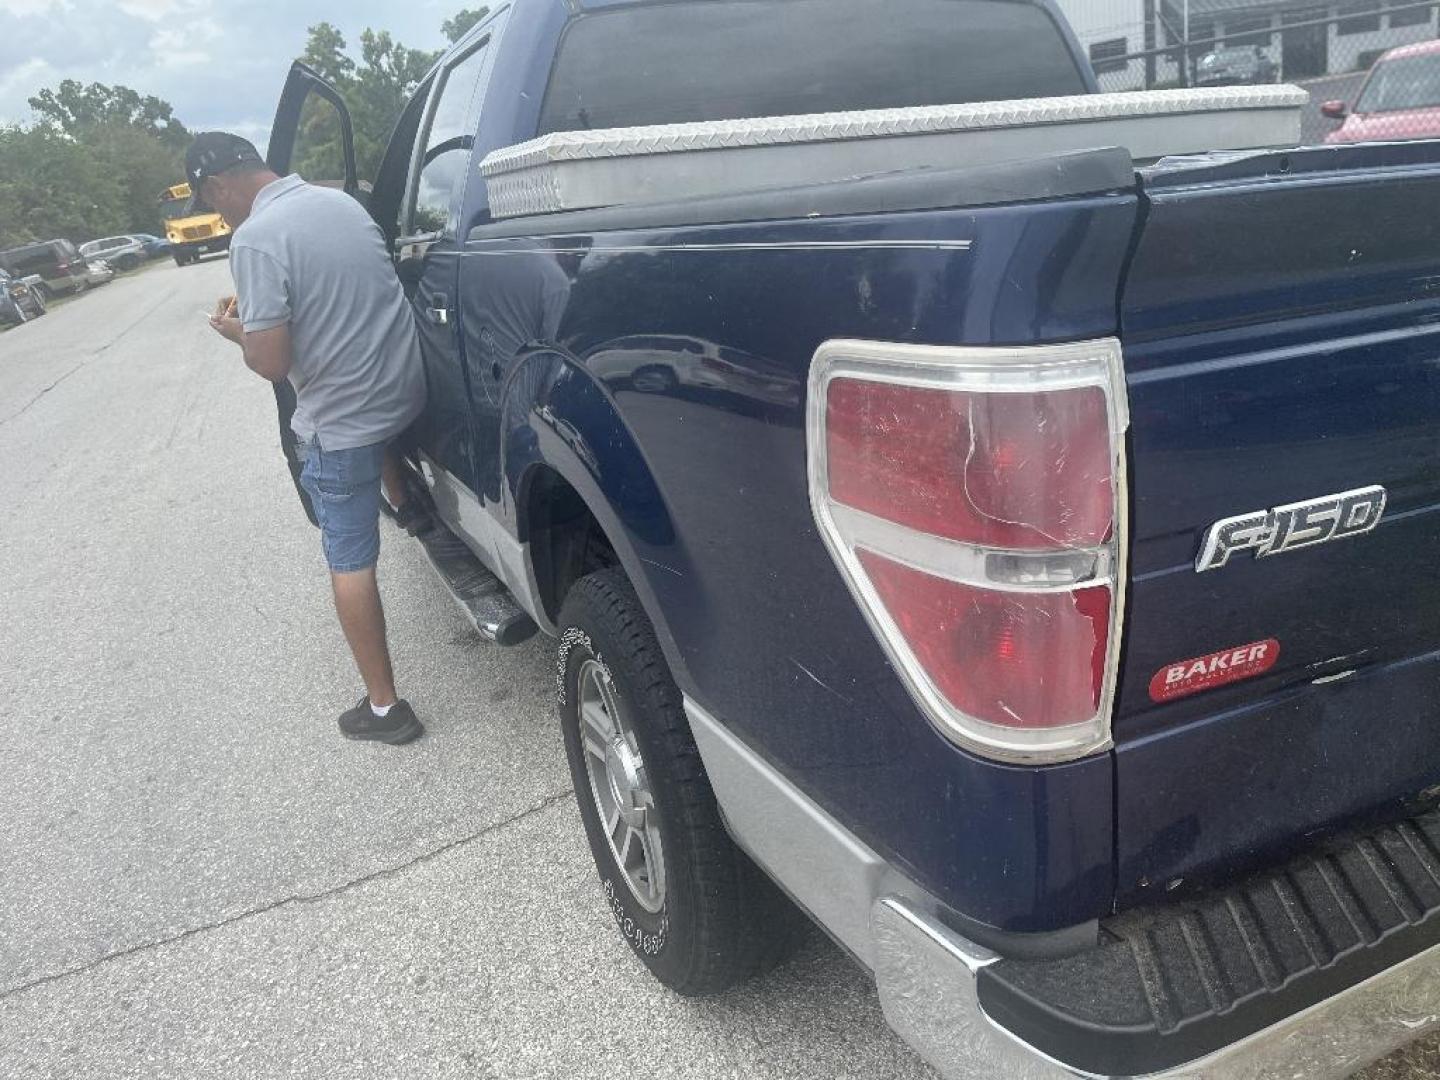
x=344, y=487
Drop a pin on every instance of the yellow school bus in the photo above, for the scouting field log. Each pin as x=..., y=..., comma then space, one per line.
x=191, y=233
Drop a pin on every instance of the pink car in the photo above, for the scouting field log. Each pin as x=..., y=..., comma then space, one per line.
x=1399, y=100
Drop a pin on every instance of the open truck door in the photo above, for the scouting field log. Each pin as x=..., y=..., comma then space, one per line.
x=312, y=135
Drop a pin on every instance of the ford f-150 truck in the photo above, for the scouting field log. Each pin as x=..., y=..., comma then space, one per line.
x=993, y=517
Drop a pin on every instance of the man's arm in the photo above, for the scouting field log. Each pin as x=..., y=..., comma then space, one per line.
x=260, y=321
x=267, y=352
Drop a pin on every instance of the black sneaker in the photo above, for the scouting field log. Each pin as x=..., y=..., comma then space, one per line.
x=399, y=725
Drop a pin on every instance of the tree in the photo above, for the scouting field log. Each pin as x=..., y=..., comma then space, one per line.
x=384, y=81
x=49, y=187
x=325, y=52
x=455, y=28
x=375, y=90
x=92, y=164
x=74, y=110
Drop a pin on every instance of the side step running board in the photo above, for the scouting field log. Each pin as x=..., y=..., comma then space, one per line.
x=481, y=595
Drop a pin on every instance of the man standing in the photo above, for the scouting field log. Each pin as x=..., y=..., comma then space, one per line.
x=319, y=304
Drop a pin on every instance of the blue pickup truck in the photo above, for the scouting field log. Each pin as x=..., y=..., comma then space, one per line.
x=1017, y=567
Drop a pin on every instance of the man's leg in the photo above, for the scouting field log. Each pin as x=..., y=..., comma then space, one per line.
x=393, y=477
x=345, y=486
x=357, y=602
x=410, y=513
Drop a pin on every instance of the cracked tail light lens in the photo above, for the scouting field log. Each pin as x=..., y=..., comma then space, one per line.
x=1023, y=471
x=973, y=499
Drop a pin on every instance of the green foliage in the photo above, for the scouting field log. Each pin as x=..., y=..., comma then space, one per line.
x=375, y=86
x=454, y=29
x=74, y=110
x=92, y=166
x=388, y=74
x=325, y=52
x=375, y=90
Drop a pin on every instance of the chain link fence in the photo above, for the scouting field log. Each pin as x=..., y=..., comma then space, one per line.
x=1371, y=67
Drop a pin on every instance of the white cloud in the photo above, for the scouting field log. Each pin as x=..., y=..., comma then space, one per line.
x=175, y=46
x=219, y=68
x=33, y=7
x=152, y=10
x=25, y=78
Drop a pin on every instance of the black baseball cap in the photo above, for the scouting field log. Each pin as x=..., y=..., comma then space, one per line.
x=213, y=152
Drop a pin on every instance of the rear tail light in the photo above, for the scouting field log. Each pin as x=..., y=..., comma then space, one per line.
x=974, y=500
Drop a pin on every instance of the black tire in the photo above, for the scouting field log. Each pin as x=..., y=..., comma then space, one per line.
x=181, y=259
x=722, y=920
x=654, y=379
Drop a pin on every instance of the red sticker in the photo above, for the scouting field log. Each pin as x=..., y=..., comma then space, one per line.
x=1218, y=668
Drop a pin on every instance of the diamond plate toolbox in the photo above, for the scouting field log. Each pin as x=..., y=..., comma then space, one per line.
x=578, y=170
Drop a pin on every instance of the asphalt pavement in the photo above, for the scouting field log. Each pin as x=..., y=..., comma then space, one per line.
x=198, y=877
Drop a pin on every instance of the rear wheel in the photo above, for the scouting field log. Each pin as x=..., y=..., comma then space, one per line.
x=693, y=907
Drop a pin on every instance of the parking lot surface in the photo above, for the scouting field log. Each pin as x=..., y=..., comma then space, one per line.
x=199, y=877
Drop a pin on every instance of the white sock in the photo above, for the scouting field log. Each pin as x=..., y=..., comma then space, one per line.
x=381, y=710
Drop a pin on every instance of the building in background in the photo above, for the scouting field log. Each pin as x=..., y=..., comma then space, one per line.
x=1138, y=43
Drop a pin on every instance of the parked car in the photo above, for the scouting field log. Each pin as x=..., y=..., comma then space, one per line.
x=964, y=642
x=98, y=272
x=1236, y=65
x=156, y=247
x=1400, y=99
x=19, y=302
x=120, y=252
x=57, y=262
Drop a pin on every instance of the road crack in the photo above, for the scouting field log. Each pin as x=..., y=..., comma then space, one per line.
x=89, y=357
x=305, y=898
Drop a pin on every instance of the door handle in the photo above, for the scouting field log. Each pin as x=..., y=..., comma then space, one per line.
x=440, y=313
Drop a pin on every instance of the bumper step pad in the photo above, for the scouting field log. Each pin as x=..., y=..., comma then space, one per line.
x=1169, y=985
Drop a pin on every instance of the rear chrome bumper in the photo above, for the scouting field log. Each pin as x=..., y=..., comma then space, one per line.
x=926, y=976
x=930, y=977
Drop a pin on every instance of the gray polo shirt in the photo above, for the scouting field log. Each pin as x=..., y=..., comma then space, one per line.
x=312, y=257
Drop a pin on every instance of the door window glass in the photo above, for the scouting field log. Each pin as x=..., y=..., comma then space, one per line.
x=319, y=154
x=447, y=145
x=387, y=196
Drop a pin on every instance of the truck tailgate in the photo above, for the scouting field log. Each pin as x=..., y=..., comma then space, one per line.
x=1281, y=322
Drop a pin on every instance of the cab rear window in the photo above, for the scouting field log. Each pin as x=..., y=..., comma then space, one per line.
x=708, y=60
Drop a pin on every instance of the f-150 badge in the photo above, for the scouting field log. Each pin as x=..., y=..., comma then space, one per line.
x=1295, y=525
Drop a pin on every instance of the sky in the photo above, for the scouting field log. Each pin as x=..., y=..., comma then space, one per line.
x=220, y=65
